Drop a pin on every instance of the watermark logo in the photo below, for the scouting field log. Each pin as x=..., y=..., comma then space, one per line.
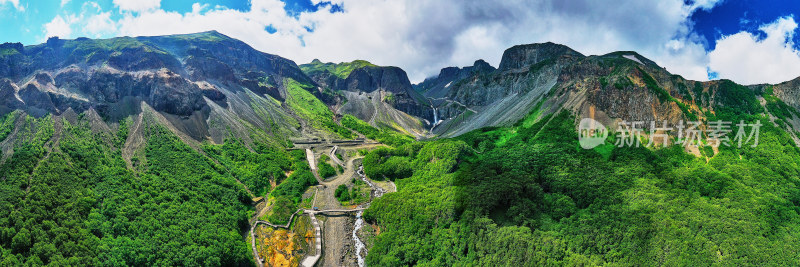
x=591, y=133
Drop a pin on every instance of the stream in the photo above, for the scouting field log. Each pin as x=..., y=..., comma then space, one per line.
x=376, y=193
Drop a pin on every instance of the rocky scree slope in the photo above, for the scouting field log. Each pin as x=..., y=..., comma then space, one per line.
x=206, y=86
x=382, y=96
x=540, y=79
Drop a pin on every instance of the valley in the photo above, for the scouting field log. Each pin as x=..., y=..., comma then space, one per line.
x=197, y=149
x=335, y=242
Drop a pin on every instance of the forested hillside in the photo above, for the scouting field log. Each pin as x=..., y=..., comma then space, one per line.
x=528, y=195
x=70, y=200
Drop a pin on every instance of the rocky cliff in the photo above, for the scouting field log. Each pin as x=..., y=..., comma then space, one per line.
x=205, y=86
x=521, y=56
x=380, y=95
x=208, y=86
x=438, y=86
x=539, y=79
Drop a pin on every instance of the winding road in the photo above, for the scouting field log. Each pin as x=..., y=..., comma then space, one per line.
x=333, y=156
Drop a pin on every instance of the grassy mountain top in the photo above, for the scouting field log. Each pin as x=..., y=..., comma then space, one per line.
x=341, y=70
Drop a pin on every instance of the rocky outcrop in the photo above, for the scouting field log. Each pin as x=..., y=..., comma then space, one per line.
x=789, y=92
x=203, y=68
x=363, y=77
x=173, y=94
x=43, y=78
x=369, y=79
x=394, y=81
x=199, y=82
x=38, y=102
x=8, y=98
x=211, y=91
x=551, y=77
x=439, y=86
x=12, y=63
x=238, y=56
x=262, y=84
x=142, y=58
x=526, y=55
x=71, y=78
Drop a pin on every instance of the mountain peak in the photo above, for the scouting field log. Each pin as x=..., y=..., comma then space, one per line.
x=525, y=55
x=481, y=65
x=341, y=70
x=211, y=35
x=631, y=55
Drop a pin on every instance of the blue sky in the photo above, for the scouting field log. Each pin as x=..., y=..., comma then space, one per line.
x=731, y=17
x=747, y=41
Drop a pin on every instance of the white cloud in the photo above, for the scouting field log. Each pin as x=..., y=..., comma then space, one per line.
x=137, y=5
x=705, y=4
x=64, y=2
x=58, y=27
x=91, y=22
x=197, y=7
x=425, y=36
x=15, y=3
x=100, y=24
x=745, y=58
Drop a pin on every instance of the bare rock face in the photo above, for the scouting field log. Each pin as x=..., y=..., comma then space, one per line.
x=12, y=60
x=369, y=79
x=225, y=55
x=326, y=79
x=142, y=58
x=107, y=86
x=211, y=92
x=366, y=78
x=38, y=102
x=201, y=67
x=789, y=92
x=526, y=55
x=161, y=70
x=262, y=84
x=189, y=79
x=8, y=99
x=173, y=94
x=72, y=79
x=552, y=77
x=439, y=86
x=43, y=78
x=395, y=81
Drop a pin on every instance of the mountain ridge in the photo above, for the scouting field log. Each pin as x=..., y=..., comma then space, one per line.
x=115, y=147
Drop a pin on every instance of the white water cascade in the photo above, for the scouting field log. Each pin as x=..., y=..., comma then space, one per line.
x=378, y=192
x=359, y=245
x=436, y=120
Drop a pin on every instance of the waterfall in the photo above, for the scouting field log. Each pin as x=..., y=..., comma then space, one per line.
x=436, y=120
x=435, y=115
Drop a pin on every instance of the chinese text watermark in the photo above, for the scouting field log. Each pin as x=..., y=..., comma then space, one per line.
x=592, y=133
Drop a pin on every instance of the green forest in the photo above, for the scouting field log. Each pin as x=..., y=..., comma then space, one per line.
x=79, y=205
x=528, y=195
